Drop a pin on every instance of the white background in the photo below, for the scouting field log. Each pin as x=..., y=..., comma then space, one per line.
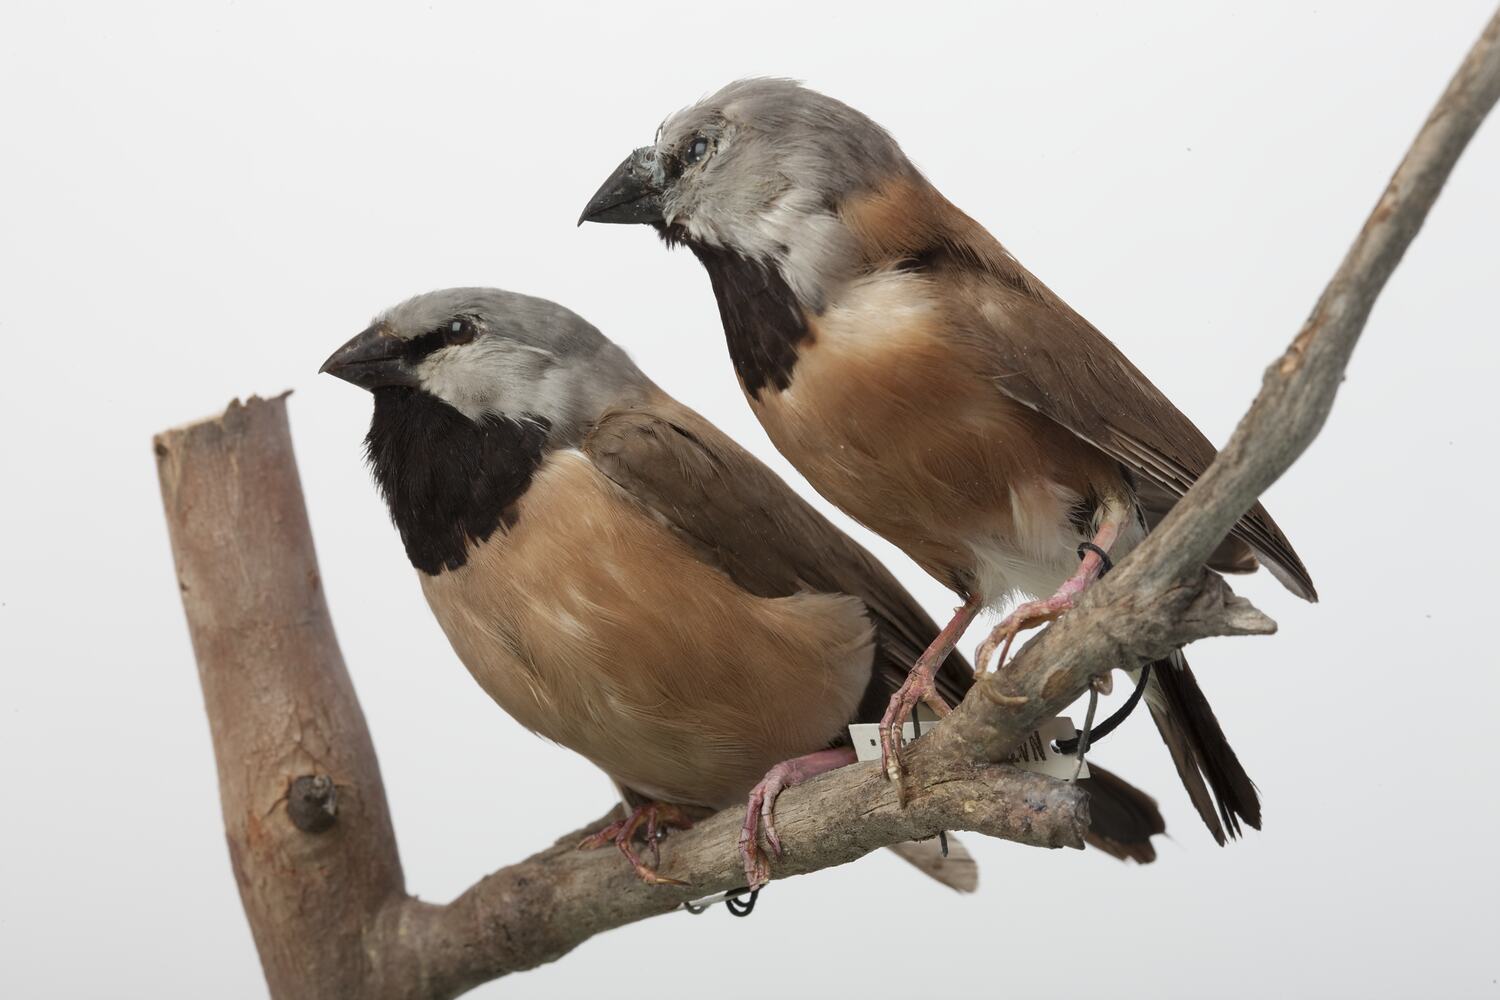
x=204, y=199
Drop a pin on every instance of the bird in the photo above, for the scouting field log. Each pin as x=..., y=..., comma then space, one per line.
x=931, y=387
x=626, y=581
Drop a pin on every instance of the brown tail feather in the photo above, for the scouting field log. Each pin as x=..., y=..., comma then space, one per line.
x=1123, y=819
x=1220, y=789
x=957, y=869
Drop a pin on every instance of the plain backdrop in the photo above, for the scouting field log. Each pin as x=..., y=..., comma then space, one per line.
x=201, y=200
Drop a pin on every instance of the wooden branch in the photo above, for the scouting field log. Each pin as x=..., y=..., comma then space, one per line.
x=536, y=911
x=309, y=832
x=289, y=737
x=1160, y=596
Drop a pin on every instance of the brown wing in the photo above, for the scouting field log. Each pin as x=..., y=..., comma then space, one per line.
x=746, y=521
x=1051, y=359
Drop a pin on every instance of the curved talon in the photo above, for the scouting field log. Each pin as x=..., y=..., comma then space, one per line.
x=760, y=812
x=891, y=724
x=982, y=654
x=603, y=837
x=768, y=814
x=750, y=856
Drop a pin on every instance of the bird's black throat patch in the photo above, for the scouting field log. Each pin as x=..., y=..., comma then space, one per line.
x=763, y=322
x=449, y=481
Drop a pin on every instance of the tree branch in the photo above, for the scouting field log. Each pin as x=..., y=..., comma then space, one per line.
x=536, y=911
x=304, y=810
x=305, y=813
x=280, y=704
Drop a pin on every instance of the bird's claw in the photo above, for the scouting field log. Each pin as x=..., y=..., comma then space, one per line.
x=655, y=817
x=1027, y=616
x=760, y=808
x=918, y=689
x=760, y=812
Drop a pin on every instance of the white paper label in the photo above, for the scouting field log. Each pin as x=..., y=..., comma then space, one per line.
x=1036, y=753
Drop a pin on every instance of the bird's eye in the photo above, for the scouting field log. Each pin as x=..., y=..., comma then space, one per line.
x=460, y=331
x=697, y=149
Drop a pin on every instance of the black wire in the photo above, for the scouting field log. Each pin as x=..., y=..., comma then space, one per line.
x=1108, y=725
x=742, y=907
x=1097, y=733
x=739, y=907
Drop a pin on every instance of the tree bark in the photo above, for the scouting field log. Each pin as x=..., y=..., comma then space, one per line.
x=309, y=832
x=280, y=704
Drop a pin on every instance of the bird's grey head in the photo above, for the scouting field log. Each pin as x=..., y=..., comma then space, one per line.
x=489, y=353
x=759, y=168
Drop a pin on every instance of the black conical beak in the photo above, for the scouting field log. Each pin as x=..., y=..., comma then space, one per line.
x=371, y=360
x=631, y=195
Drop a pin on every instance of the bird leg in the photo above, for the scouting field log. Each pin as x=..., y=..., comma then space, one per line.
x=1034, y=613
x=762, y=806
x=654, y=816
x=919, y=688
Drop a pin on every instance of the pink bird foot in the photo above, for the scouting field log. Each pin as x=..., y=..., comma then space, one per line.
x=1028, y=615
x=1094, y=561
x=919, y=688
x=654, y=816
x=761, y=809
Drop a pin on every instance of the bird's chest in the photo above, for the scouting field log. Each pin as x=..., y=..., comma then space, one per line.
x=594, y=625
x=539, y=611
x=888, y=421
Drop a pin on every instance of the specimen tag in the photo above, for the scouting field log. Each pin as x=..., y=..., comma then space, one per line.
x=1037, y=751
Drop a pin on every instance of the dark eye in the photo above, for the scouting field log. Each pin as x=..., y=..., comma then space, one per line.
x=696, y=150
x=460, y=330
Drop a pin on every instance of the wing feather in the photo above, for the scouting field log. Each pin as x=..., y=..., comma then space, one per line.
x=1041, y=353
x=746, y=521
x=743, y=519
